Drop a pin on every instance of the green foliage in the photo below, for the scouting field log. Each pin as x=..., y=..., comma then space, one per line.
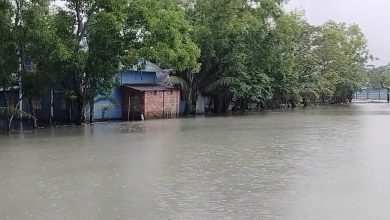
x=378, y=77
x=226, y=32
x=341, y=54
x=272, y=55
x=40, y=47
x=230, y=50
x=157, y=30
x=89, y=47
x=8, y=58
x=104, y=50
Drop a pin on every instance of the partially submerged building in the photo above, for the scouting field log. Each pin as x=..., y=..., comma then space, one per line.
x=143, y=92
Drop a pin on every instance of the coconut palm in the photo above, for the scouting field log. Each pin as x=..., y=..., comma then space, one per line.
x=194, y=84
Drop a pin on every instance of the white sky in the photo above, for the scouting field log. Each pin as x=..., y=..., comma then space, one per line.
x=373, y=17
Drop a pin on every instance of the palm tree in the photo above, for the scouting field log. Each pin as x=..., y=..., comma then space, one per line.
x=193, y=85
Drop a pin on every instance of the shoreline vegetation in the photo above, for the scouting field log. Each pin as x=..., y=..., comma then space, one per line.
x=234, y=52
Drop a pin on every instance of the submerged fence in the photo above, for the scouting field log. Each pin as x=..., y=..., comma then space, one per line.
x=371, y=94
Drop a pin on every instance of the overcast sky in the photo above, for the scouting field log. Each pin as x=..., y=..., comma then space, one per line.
x=373, y=16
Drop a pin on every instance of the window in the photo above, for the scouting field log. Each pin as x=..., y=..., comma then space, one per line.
x=37, y=103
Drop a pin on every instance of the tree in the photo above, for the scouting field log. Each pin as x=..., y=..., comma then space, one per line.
x=224, y=30
x=8, y=60
x=380, y=77
x=90, y=39
x=41, y=51
x=159, y=31
x=282, y=63
x=220, y=31
x=229, y=50
x=342, y=53
x=22, y=25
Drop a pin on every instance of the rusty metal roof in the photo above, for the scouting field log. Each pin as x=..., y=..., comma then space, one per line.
x=150, y=87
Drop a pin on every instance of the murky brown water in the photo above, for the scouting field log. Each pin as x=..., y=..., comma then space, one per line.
x=315, y=164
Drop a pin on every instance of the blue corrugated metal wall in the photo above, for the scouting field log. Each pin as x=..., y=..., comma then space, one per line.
x=111, y=110
x=135, y=77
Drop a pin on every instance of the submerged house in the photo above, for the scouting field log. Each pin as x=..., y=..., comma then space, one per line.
x=144, y=93
x=54, y=105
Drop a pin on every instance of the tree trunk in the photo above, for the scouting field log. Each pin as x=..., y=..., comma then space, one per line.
x=11, y=118
x=9, y=121
x=51, y=105
x=194, y=102
x=91, y=109
x=79, y=105
x=79, y=112
x=293, y=104
x=304, y=102
x=34, y=125
x=225, y=105
x=6, y=115
x=388, y=95
x=242, y=105
x=189, y=101
x=70, y=111
x=217, y=104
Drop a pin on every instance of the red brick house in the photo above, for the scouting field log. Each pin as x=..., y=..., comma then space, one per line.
x=150, y=101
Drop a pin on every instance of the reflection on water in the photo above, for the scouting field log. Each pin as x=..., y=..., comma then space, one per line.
x=329, y=163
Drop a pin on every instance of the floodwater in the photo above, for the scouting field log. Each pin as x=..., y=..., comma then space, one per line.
x=305, y=164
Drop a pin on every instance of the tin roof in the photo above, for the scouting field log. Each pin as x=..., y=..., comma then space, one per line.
x=151, y=87
x=162, y=75
x=146, y=66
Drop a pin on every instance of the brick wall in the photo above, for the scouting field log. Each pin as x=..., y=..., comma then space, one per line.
x=162, y=104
